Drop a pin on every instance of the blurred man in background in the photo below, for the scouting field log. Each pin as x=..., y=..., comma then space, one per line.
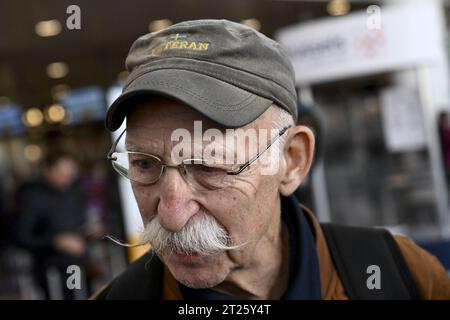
x=52, y=222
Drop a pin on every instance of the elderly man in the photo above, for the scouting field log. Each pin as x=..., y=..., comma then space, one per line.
x=219, y=215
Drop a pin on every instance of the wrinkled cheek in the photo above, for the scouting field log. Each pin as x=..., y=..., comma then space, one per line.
x=145, y=202
x=230, y=214
x=242, y=219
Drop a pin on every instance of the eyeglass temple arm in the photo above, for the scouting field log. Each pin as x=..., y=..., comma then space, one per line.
x=246, y=165
x=114, y=146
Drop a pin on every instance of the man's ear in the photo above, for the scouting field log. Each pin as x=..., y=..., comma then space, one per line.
x=298, y=154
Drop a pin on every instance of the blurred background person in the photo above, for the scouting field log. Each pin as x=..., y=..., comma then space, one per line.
x=52, y=223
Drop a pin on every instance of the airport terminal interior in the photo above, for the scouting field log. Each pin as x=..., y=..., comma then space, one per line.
x=376, y=106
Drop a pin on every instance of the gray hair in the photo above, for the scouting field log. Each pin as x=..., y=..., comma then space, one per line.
x=283, y=119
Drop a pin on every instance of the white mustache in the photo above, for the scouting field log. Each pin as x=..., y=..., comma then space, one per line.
x=202, y=234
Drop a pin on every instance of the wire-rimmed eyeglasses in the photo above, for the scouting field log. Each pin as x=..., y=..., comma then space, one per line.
x=145, y=168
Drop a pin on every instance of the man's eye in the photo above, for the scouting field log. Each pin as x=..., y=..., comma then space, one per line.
x=144, y=164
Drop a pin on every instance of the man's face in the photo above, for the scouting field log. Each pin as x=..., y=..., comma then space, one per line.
x=63, y=173
x=247, y=208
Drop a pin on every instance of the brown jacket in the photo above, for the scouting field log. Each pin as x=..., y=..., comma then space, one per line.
x=431, y=279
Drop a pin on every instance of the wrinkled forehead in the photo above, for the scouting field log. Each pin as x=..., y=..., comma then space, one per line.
x=153, y=124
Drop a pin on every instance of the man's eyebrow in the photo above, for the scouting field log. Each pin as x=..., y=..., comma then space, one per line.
x=134, y=148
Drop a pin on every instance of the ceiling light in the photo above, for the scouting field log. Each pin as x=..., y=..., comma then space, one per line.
x=160, y=24
x=48, y=28
x=32, y=117
x=57, y=70
x=55, y=113
x=252, y=23
x=338, y=7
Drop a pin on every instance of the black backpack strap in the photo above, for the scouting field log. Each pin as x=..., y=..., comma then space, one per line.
x=354, y=249
x=142, y=280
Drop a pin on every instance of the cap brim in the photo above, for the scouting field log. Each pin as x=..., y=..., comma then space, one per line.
x=218, y=100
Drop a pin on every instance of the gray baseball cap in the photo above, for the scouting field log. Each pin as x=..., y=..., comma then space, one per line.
x=228, y=72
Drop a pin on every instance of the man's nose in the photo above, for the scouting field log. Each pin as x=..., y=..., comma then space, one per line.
x=176, y=205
